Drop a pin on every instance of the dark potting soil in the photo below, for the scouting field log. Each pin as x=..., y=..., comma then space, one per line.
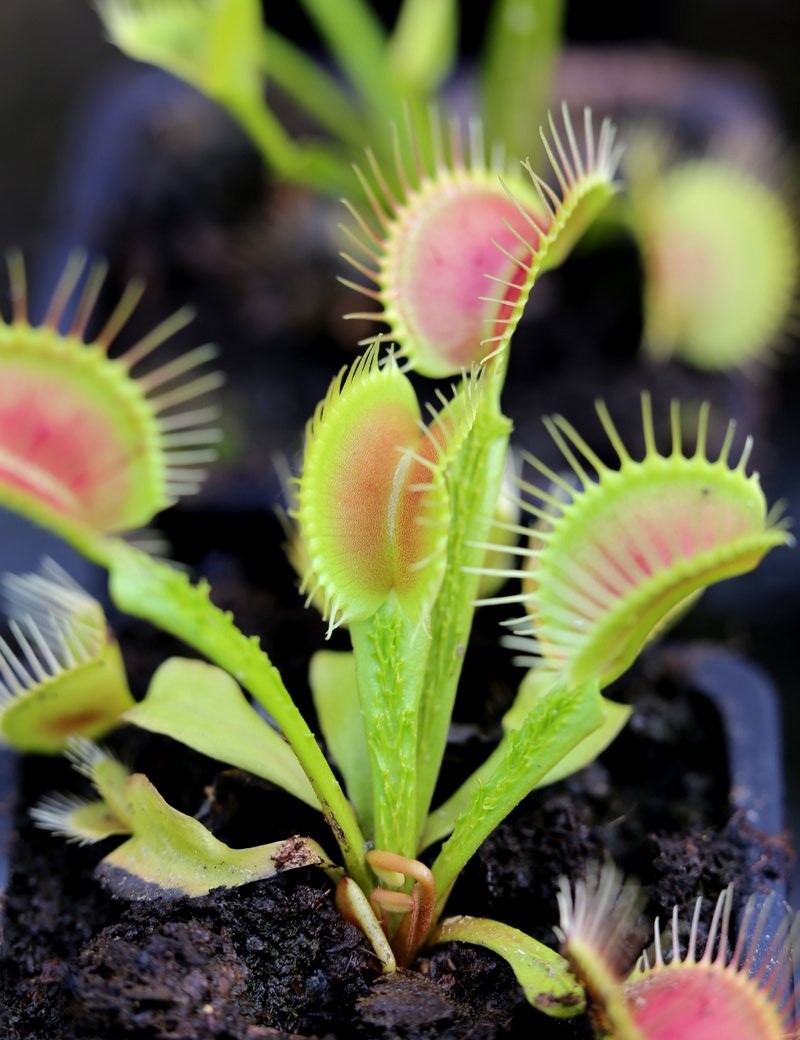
x=273, y=958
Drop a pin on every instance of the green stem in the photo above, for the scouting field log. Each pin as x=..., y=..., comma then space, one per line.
x=318, y=93
x=552, y=728
x=150, y=589
x=313, y=166
x=523, y=43
x=423, y=45
x=440, y=822
x=357, y=41
x=474, y=484
x=390, y=652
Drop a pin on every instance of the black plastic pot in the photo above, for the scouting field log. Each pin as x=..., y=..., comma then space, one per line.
x=749, y=706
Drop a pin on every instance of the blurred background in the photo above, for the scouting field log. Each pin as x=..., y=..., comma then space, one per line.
x=100, y=151
x=56, y=68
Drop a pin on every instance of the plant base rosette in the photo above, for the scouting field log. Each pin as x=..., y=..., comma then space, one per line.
x=275, y=959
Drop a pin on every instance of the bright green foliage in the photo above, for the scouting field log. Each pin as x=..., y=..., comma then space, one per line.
x=149, y=589
x=170, y=855
x=554, y=727
x=186, y=700
x=534, y=688
x=536, y=685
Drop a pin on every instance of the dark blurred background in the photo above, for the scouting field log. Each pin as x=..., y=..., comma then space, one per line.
x=54, y=61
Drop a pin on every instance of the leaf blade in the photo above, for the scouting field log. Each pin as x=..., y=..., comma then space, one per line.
x=203, y=707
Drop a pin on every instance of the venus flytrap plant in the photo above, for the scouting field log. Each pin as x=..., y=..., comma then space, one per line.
x=489, y=222
x=393, y=517
x=424, y=299
x=460, y=205
x=604, y=567
x=380, y=568
x=567, y=708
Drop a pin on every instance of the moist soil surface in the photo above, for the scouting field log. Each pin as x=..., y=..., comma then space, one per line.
x=273, y=958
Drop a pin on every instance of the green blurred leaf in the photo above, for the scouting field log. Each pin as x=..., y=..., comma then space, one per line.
x=308, y=84
x=522, y=45
x=423, y=46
